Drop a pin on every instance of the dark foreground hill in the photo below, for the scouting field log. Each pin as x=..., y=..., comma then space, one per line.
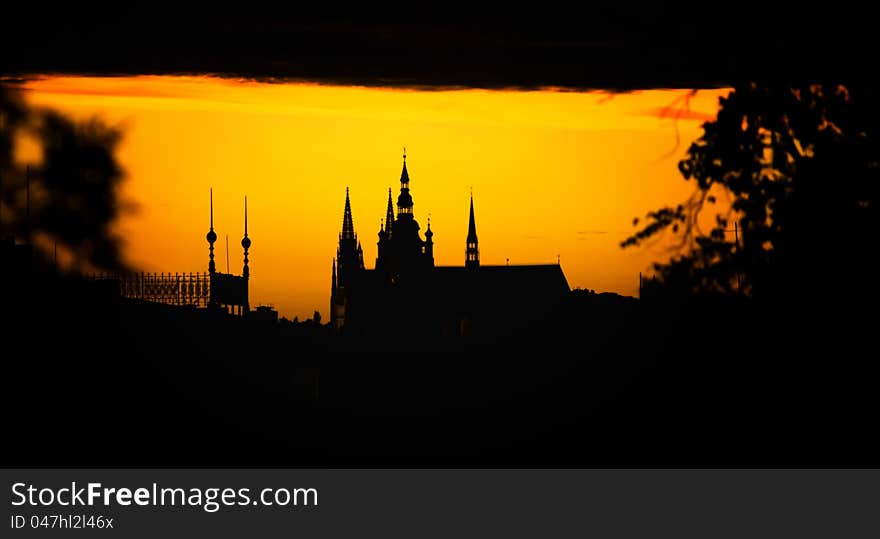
x=94, y=380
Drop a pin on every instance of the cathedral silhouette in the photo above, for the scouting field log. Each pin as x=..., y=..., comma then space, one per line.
x=408, y=293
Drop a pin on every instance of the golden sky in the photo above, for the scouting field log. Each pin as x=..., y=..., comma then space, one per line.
x=553, y=173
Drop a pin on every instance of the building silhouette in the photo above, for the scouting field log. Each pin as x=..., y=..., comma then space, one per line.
x=407, y=293
x=213, y=290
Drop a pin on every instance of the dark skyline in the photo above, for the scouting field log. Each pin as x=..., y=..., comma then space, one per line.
x=407, y=290
x=750, y=350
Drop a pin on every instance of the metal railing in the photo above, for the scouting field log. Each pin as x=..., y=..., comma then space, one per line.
x=167, y=288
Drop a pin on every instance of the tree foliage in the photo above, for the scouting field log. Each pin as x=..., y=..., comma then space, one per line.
x=800, y=167
x=74, y=198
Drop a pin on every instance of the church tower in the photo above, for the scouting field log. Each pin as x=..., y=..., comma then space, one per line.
x=349, y=261
x=472, y=252
x=349, y=255
x=404, y=200
x=401, y=249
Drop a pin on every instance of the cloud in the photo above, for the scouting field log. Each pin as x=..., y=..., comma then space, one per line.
x=673, y=113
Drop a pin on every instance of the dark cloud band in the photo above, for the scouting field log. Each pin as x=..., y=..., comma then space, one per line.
x=640, y=45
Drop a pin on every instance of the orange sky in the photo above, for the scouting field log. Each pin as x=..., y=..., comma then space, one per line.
x=553, y=173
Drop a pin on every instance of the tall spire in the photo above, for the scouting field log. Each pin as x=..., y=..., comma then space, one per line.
x=211, y=236
x=404, y=200
x=246, y=244
x=472, y=224
x=347, y=223
x=472, y=252
x=347, y=256
x=389, y=214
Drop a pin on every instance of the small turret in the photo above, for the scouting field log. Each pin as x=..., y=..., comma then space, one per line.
x=429, y=243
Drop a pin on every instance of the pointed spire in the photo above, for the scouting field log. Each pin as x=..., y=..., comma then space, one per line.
x=245, y=241
x=429, y=233
x=404, y=175
x=472, y=252
x=347, y=223
x=472, y=224
x=389, y=214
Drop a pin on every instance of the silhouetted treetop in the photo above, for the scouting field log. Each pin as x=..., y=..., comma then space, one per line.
x=74, y=198
x=799, y=165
